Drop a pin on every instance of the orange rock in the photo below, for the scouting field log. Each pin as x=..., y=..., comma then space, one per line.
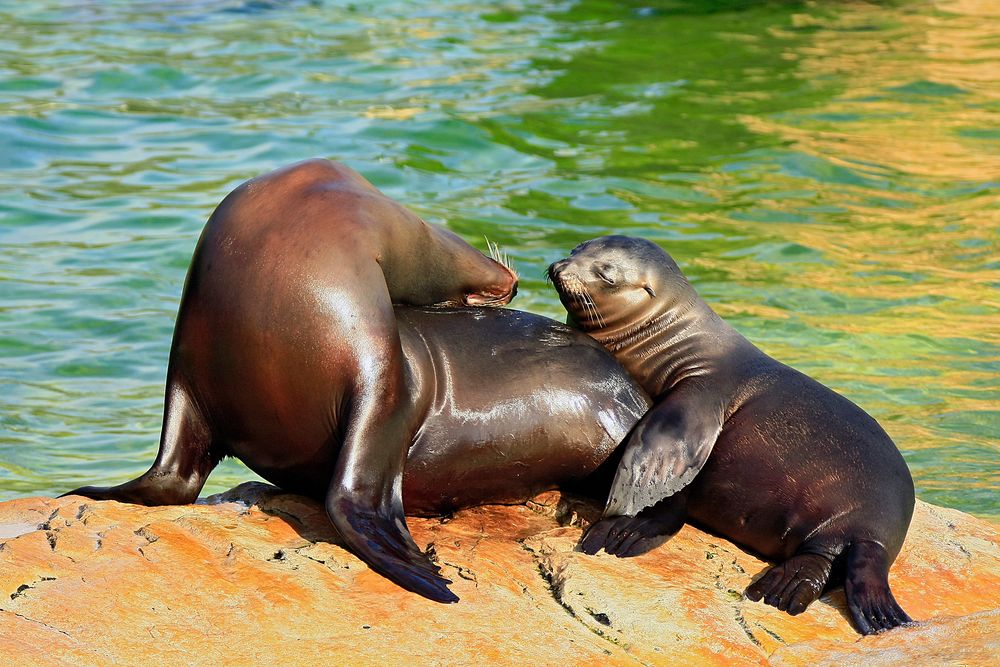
x=947, y=640
x=257, y=577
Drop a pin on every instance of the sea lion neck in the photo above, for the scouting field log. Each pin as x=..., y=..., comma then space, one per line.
x=668, y=342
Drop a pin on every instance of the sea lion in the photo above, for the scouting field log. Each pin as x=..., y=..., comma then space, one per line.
x=286, y=348
x=504, y=405
x=742, y=444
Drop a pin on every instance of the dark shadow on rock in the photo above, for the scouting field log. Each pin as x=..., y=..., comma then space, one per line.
x=306, y=516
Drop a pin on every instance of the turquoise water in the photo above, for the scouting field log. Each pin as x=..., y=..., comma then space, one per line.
x=825, y=173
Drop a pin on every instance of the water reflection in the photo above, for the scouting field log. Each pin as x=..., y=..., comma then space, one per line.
x=824, y=178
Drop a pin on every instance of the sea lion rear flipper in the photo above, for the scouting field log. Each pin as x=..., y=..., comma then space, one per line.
x=869, y=599
x=183, y=463
x=665, y=451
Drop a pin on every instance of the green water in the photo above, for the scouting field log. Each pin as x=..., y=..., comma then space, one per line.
x=826, y=173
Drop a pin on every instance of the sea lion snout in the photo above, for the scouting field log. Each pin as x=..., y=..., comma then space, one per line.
x=498, y=293
x=565, y=277
x=557, y=269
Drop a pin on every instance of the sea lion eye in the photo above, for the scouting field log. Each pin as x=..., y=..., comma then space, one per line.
x=602, y=273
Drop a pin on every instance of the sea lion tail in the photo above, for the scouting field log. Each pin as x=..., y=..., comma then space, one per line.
x=869, y=599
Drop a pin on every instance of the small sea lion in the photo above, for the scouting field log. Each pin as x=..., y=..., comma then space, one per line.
x=738, y=442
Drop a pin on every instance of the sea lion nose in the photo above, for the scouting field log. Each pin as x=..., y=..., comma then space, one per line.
x=557, y=267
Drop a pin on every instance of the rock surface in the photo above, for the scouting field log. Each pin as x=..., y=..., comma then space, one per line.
x=254, y=576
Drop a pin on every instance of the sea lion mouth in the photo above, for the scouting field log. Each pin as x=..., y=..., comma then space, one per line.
x=500, y=295
x=575, y=295
x=490, y=299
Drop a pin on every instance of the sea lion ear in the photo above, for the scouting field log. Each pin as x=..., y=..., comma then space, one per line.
x=649, y=290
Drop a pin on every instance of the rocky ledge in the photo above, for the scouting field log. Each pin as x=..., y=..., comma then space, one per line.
x=255, y=576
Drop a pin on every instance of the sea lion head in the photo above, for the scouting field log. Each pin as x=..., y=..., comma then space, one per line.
x=450, y=272
x=617, y=281
x=437, y=267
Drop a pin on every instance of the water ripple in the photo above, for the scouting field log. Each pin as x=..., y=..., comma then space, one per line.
x=827, y=176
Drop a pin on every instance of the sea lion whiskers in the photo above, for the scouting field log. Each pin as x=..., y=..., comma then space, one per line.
x=589, y=301
x=580, y=299
x=501, y=257
x=581, y=295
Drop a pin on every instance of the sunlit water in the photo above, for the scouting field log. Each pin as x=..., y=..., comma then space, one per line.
x=826, y=173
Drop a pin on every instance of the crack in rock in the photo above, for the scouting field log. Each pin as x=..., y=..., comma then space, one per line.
x=51, y=534
x=774, y=635
x=301, y=551
x=43, y=624
x=556, y=585
x=463, y=572
x=147, y=534
x=746, y=628
x=47, y=524
x=600, y=617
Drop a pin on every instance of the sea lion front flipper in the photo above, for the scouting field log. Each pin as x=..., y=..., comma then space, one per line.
x=626, y=536
x=374, y=528
x=663, y=454
x=666, y=450
x=381, y=539
x=365, y=498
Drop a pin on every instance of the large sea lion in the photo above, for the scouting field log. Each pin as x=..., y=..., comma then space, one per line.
x=740, y=443
x=286, y=351
x=503, y=405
